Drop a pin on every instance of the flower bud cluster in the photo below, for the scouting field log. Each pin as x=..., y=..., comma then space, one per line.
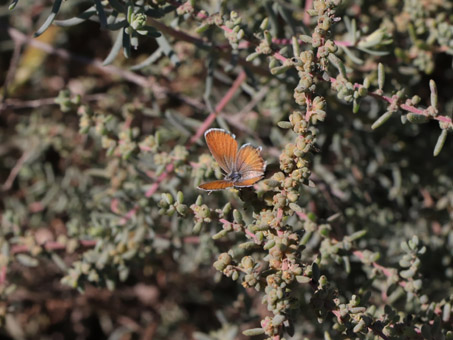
x=235, y=32
x=66, y=102
x=202, y=213
x=168, y=205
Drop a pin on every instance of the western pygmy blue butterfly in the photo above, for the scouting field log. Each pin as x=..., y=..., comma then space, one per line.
x=243, y=167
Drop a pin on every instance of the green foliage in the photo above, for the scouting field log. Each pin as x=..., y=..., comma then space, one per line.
x=348, y=236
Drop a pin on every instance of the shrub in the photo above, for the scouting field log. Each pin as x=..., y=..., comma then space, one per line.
x=347, y=236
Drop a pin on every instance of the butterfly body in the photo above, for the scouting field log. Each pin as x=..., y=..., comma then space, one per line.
x=234, y=176
x=243, y=167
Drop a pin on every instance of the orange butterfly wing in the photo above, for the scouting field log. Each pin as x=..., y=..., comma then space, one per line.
x=247, y=182
x=216, y=185
x=250, y=164
x=223, y=147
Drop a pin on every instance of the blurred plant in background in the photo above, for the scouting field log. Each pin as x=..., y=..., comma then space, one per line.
x=103, y=109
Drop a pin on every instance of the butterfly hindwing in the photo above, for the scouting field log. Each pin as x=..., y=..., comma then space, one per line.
x=247, y=182
x=216, y=185
x=249, y=162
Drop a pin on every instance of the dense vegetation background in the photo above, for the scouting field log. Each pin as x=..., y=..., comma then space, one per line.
x=102, y=114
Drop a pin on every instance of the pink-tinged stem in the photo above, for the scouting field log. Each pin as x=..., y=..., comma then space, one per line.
x=308, y=5
x=248, y=232
x=382, y=269
x=279, y=216
x=15, y=171
x=2, y=275
x=252, y=235
x=306, y=20
x=406, y=107
x=360, y=255
x=279, y=57
x=128, y=215
x=114, y=205
x=343, y=43
x=192, y=239
x=156, y=184
x=224, y=221
x=302, y=215
x=220, y=106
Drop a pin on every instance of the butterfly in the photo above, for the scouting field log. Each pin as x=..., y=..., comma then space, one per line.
x=243, y=167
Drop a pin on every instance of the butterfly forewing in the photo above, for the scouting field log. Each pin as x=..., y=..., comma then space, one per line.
x=223, y=147
x=250, y=163
x=216, y=185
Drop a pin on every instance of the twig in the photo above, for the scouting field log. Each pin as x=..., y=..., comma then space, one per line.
x=62, y=53
x=12, y=68
x=220, y=106
x=16, y=104
x=277, y=55
x=371, y=328
x=50, y=246
x=15, y=170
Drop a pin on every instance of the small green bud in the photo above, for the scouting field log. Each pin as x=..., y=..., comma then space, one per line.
x=180, y=197
x=357, y=235
x=415, y=100
x=296, y=47
x=168, y=198
x=416, y=118
x=225, y=258
x=306, y=38
x=237, y=216
x=268, y=37
x=219, y=265
x=182, y=209
x=269, y=245
x=220, y=234
x=197, y=227
x=252, y=56
x=226, y=209
x=366, y=83
x=247, y=262
x=381, y=76
x=381, y=120
x=359, y=327
x=246, y=245
x=446, y=313
x=264, y=24
x=433, y=89
x=284, y=125
x=440, y=143
x=203, y=28
x=279, y=69
x=303, y=279
x=407, y=274
x=253, y=332
x=278, y=319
